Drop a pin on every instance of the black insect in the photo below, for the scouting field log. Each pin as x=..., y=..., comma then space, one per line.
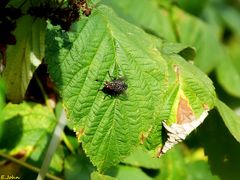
x=115, y=88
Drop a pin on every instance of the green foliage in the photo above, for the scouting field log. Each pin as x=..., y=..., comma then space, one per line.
x=26, y=127
x=78, y=166
x=140, y=158
x=24, y=57
x=229, y=79
x=220, y=146
x=161, y=50
x=97, y=176
x=183, y=28
x=2, y=103
x=145, y=14
x=176, y=165
x=124, y=51
x=231, y=119
x=195, y=32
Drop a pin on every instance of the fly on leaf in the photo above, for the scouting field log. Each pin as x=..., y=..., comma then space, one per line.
x=115, y=87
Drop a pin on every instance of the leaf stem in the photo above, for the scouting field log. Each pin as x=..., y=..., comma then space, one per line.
x=52, y=146
x=43, y=92
x=68, y=144
x=26, y=165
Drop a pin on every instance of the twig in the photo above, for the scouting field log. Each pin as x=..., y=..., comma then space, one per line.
x=26, y=165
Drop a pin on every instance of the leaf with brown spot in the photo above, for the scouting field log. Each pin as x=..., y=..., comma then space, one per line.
x=187, y=100
x=184, y=112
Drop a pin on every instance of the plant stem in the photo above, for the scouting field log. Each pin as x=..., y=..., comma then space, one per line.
x=52, y=146
x=26, y=165
x=43, y=92
x=68, y=144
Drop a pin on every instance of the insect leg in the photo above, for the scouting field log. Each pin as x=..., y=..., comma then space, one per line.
x=112, y=78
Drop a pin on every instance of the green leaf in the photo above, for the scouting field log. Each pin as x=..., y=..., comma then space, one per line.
x=200, y=170
x=195, y=32
x=228, y=71
x=177, y=165
x=189, y=95
x=173, y=25
x=183, y=50
x=212, y=17
x=26, y=128
x=105, y=43
x=97, y=176
x=77, y=167
x=220, y=146
x=173, y=166
x=233, y=49
x=230, y=118
x=126, y=172
x=93, y=52
x=231, y=17
x=229, y=77
x=57, y=161
x=165, y=3
x=24, y=57
x=194, y=7
x=140, y=158
x=145, y=14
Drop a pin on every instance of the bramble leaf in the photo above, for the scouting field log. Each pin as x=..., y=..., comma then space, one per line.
x=97, y=176
x=145, y=14
x=109, y=128
x=24, y=57
x=230, y=118
x=26, y=128
x=172, y=25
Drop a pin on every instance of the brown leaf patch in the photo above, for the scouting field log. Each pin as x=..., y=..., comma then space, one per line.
x=184, y=112
x=144, y=135
x=80, y=133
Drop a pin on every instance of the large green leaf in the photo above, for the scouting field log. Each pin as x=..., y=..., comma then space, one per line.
x=26, y=129
x=77, y=167
x=228, y=76
x=127, y=172
x=112, y=46
x=140, y=158
x=195, y=32
x=220, y=147
x=230, y=118
x=145, y=14
x=24, y=57
x=225, y=21
x=178, y=163
x=175, y=165
x=110, y=127
x=183, y=50
x=173, y=25
x=231, y=17
x=187, y=97
x=233, y=49
x=228, y=71
x=97, y=176
x=194, y=7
